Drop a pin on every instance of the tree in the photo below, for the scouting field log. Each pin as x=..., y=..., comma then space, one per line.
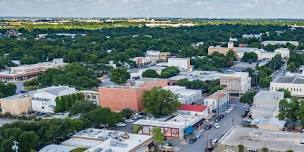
x=81, y=107
x=103, y=116
x=287, y=93
x=195, y=84
x=292, y=67
x=6, y=90
x=169, y=72
x=247, y=97
x=158, y=136
x=150, y=73
x=230, y=57
x=119, y=75
x=250, y=57
x=241, y=148
x=64, y=103
x=160, y=102
x=127, y=113
x=264, y=82
x=265, y=149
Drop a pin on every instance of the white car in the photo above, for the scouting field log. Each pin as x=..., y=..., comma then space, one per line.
x=216, y=125
x=228, y=111
x=129, y=120
x=121, y=124
x=214, y=141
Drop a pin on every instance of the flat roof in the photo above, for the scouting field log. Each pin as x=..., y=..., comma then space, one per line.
x=258, y=138
x=179, y=121
x=289, y=79
x=56, y=148
x=19, y=96
x=235, y=74
x=217, y=95
x=268, y=97
x=197, y=75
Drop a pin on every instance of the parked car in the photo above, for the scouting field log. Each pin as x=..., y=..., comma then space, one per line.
x=192, y=140
x=244, y=115
x=199, y=134
x=129, y=120
x=121, y=124
x=216, y=125
x=207, y=127
x=214, y=141
x=228, y=111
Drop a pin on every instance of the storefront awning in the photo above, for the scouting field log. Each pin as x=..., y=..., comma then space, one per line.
x=188, y=131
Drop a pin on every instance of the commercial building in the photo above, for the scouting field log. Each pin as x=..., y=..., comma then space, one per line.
x=196, y=75
x=140, y=61
x=157, y=55
x=196, y=110
x=284, y=52
x=265, y=43
x=91, y=96
x=137, y=72
x=44, y=99
x=254, y=140
x=17, y=104
x=261, y=53
x=294, y=84
x=185, y=96
x=100, y=140
x=181, y=63
x=265, y=109
x=218, y=101
x=172, y=126
x=236, y=83
x=119, y=97
x=29, y=71
x=220, y=50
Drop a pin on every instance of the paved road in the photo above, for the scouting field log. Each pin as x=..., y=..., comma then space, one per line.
x=232, y=119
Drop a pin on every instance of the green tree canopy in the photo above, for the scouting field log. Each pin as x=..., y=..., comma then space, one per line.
x=150, y=73
x=287, y=93
x=158, y=136
x=250, y=57
x=6, y=90
x=119, y=75
x=160, y=102
x=247, y=97
x=292, y=67
x=169, y=72
x=81, y=107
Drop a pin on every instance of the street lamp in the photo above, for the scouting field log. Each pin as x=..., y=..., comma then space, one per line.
x=256, y=73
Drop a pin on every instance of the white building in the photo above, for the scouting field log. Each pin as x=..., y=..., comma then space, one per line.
x=217, y=101
x=100, y=140
x=250, y=36
x=265, y=110
x=181, y=63
x=261, y=53
x=44, y=99
x=284, y=52
x=236, y=83
x=91, y=96
x=140, y=61
x=176, y=127
x=197, y=75
x=265, y=43
x=196, y=110
x=185, y=96
x=294, y=84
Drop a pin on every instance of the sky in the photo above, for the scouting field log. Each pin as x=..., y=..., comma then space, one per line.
x=154, y=8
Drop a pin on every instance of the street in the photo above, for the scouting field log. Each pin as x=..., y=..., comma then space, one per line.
x=232, y=119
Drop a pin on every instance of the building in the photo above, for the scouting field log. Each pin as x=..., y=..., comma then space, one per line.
x=254, y=140
x=251, y=36
x=92, y=96
x=44, y=99
x=265, y=109
x=294, y=84
x=196, y=75
x=118, y=97
x=265, y=43
x=220, y=50
x=17, y=104
x=261, y=53
x=196, y=110
x=29, y=71
x=157, y=55
x=100, y=140
x=218, y=101
x=57, y=148
x=141, y=61
x=185, y=96
x=284, y=52
x=236, y=83
x=181, y=63
x=137, y=72
x=177, y=126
